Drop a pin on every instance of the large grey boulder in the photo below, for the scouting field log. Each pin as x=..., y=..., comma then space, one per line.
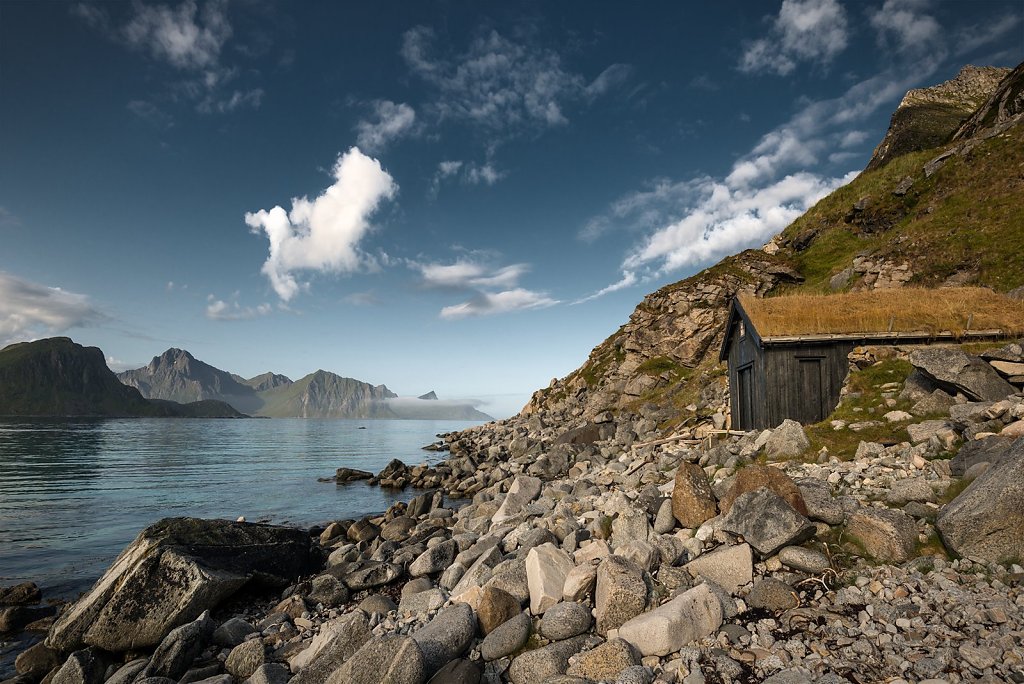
x=392, y=659
x=446, y=637
x=245, y=659
x=434, y=559
x=730, y=567
x=337, y=641
x=621, y=593
x=180, y=647
x=82, y=667
x=541, y=664
x=820, y=504
x=172, y=572
x=788, y=440
x=565, y=620
x=989, y=449
x=546, y=568
x=688, y=617
x=524, y=489
x=693, y=502
x=606, y=662
x=506, y=638
x=884, y=534
x=954, y=370
x=461, y=671
x=987, y=518
x=767, y=522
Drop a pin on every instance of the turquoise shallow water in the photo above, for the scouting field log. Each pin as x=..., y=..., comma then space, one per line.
x=74, y=493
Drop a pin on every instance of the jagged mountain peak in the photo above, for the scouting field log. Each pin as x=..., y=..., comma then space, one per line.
x=429, y=396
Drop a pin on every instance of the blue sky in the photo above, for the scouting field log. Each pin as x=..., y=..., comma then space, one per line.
x=465, y=197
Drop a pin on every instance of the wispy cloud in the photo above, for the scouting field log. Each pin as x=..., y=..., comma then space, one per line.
x=813, y=31
x=491, y=289
x=390, y=121
x=906, y=26
x=628, y=279
x=323, y=234
x=186, y=37
x=220, y=310
x=501, y=88
x=490, y=303
x=466, y=172
x=29, y=310
x=151, y=114
x=970, y=38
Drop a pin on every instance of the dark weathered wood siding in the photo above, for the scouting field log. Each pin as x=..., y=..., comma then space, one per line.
x=748, y=400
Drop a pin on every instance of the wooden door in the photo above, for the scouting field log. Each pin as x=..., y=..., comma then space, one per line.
x=812, y=395
x=745, y=400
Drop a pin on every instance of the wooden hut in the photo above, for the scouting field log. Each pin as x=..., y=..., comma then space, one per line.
x=787, y=355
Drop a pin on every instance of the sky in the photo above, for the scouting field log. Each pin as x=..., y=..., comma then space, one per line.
x=464, y=197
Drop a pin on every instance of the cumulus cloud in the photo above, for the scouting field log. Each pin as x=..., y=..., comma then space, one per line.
x=390, y=122
x=220, y=310
x=906, y=25
x=323, y=234
x=804, y=31
x=490, y=303
x=29, y=310
x=502, y=85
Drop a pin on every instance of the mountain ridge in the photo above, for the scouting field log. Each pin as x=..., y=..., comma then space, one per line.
x=176, y=375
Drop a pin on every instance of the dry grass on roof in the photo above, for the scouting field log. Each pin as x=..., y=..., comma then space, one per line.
x=906, y=310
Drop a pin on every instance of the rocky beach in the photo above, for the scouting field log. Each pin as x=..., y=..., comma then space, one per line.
x=600, y=551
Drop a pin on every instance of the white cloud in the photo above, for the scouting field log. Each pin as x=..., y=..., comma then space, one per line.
x=805, y=30
x=469, y=274
x=502, y=85
x=189, y=38
x=469, y=173
x=486, y=174
x=183, y=37
x=391, y=122
x=219, y=310
x=323, y=234
x=728, y=219
x=29, y=310
x=628, y=280
x=905, y=25
x=490, y=303
x=118, y=366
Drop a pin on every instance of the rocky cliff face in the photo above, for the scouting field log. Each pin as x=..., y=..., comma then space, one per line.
x=926, y=117
x=909, y=219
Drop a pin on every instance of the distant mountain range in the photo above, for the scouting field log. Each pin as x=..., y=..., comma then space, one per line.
x=176, y=375
x=57, y=377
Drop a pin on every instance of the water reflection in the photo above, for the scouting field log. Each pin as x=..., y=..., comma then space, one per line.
x=73, y=493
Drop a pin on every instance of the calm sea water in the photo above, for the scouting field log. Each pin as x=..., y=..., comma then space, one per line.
x=74, y=493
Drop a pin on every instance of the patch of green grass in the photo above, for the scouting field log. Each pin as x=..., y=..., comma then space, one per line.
x=657, y=365
x=955, y=489
x=932, y=546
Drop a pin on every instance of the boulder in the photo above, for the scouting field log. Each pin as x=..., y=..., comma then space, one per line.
x=730, y=567
x=393, y=659
x=337, y=641
x=245, y=659
x=172, y=572
x=363, y=530
x=461, y=671
x=986, y=519
x=446, y=637
x=579, y=583
x=377, y=603
x=435, y=559
x=605, y=662
x=37, y=660
x=496, y=607
x=953, y=370
x=372, y=574
x=541, y=664
x=565, y=620
x=327, y=590
x=506, y=638
x=546, y=568
x=343, y=475
x=524, y=489
x=804, y=560
x=925, y=430
x=232, y=632
x=820, y=504
x=902, y=492
x=23, y=594
x=767, y=522
x=772, y=595
x=269, y=673
x=397, y=529
x=84, y=666
x=664, y=519
x=754, y=477
x=692, y=615
x=180, y=647
x=693, y=502
x=421, y=602
x=884, y=534
x=129, y=672
x=621, y=593
x=788, y=440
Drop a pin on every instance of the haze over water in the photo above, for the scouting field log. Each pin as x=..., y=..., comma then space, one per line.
x=74, y=493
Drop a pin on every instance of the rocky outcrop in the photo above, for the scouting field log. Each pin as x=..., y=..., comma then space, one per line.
x=928, y=117
x=170, y=574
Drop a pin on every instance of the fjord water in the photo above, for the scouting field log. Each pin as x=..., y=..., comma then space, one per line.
x=74, y=493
